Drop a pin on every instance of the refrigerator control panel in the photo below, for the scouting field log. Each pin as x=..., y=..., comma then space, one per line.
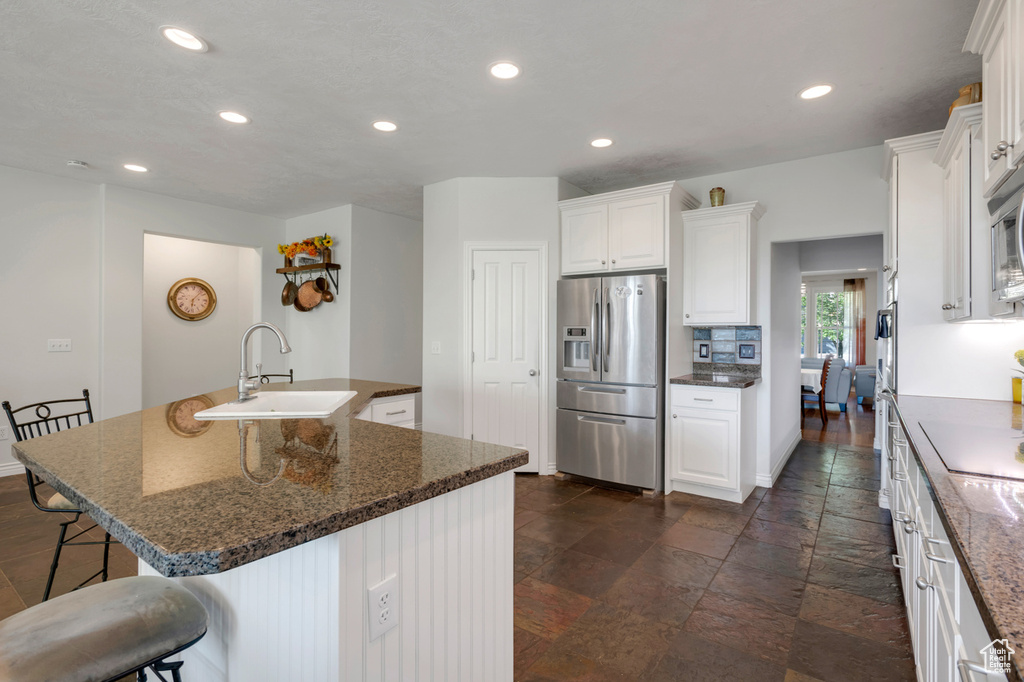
x=575, y=333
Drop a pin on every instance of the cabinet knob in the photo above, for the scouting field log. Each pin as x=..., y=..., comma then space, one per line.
x=687, y=314
x=1003, y=146
x=922, y=584
x=602, y=262
x=948, y=306
x=613, y=261
x=675, y=416
x=885, y=268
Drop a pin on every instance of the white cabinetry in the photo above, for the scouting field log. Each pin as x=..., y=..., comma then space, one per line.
x=397, y=410
x=718, y=264
x=711, y=441
x=618, y=231
x=945, y=624
x=996, y=34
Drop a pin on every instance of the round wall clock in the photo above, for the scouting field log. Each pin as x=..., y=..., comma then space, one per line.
x=181, y=416
x=191, y=299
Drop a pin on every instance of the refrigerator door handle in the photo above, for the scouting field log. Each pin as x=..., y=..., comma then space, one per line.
x=606, y=341
x=598, y=389
x=601, y=420
x=594, y=313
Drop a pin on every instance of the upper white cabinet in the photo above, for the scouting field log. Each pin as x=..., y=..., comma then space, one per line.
x=625, y=230
x=718, y=264
x=954, y=156
x=996, y=34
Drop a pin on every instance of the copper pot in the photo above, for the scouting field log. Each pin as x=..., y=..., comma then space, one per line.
x=288, y=293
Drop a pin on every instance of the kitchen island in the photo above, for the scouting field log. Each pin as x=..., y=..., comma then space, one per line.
x=281, y=526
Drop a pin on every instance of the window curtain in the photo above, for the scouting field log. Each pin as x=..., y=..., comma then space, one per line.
x=854, y=321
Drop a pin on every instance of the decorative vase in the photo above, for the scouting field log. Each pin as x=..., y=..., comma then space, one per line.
x=717, y=196
x=1016, y=389
x=325, y=252
x=287, y=262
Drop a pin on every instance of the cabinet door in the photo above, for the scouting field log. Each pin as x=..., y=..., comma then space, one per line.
x=995, y=107
x=1016, y=82
x=956, y=194
x=716, y=271
x=585, y=239
x=636, y=233
x=705, y=447
x=892, y=234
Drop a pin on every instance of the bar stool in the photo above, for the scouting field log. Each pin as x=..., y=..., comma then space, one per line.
x=102, y=632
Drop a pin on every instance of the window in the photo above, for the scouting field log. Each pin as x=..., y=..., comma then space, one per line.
x=824, y=305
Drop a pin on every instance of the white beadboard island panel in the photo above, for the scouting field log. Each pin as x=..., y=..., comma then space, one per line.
x=301, y=613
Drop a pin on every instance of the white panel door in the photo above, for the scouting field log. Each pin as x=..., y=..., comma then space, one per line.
x=585, y=239
x=506, y=350
x=636, y=233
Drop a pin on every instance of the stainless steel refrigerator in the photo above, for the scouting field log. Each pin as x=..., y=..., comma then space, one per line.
x=610, y=372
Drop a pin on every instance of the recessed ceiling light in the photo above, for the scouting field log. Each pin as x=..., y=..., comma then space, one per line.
x=233, y=117
x=601, y=142
x=505, y=70
x=136, y=168
x=815, y=91
x=385, y=126
x=183, y=38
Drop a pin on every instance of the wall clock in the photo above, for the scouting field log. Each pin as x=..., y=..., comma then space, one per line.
x=191, y=299
x=181, y=416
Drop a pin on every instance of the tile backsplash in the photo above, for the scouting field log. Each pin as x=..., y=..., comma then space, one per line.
x=721, y=346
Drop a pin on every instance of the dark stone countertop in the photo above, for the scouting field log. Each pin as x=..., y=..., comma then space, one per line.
x=183, y=505
x=716, y=380
x=983, y=516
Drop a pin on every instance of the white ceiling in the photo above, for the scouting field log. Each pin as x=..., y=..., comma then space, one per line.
x=685, y=88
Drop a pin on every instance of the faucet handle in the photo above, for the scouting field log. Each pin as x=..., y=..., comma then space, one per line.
x=259, y=371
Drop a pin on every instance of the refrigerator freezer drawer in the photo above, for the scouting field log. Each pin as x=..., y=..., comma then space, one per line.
x=609, y=448
x=635, y=401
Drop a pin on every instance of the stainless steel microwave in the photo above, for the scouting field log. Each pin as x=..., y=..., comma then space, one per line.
x=1007, y=254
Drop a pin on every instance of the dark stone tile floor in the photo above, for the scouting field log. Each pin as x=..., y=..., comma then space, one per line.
x=794, y=585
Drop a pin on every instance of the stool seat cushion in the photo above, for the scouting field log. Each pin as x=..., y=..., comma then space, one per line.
x=100, y=631
x=58, y=501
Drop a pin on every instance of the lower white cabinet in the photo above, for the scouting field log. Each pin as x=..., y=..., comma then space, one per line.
x=397, y=410
x=945, y=624
x=711, y=441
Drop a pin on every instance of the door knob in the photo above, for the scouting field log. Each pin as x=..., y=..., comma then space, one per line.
x=533, y=372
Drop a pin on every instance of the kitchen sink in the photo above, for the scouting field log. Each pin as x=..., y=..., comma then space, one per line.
x=280, y=405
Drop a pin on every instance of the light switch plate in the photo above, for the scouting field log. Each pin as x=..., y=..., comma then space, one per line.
x=58, y=346
x=5, y=433
x=435, y=348
x=382, y=606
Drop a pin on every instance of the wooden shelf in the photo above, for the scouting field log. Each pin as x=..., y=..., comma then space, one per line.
x=308, y=268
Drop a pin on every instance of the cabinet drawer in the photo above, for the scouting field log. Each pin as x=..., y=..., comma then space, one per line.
x=394, y=412
x=706, y=398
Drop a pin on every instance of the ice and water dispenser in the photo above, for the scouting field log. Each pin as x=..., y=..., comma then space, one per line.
x=576, y=349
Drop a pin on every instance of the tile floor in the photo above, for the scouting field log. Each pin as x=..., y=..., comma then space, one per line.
x=795, y=584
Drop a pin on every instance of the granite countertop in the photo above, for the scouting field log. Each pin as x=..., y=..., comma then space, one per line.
x=983, y=516
x=718, y=380
x=184, y=505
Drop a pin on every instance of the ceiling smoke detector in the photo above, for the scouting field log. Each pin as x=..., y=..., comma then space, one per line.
x=78, y=164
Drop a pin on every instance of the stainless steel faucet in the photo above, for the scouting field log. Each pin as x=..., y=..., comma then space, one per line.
x=245, y=385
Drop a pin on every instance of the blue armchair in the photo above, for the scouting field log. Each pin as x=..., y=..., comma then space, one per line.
x=864, y=383
x=840, y=379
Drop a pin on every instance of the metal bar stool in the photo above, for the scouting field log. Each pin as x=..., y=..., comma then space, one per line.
x=42, y=419
x=103, y=632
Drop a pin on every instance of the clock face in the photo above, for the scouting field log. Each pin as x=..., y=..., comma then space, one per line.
x=181, y=416
x=191, y=299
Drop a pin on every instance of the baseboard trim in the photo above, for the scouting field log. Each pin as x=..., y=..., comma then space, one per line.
x=769, y=481
x=11, y=469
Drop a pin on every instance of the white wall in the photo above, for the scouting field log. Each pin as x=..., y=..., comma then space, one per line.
x=387, y=302
x=478, y=209
x=836, y=195
x=128, y=215
x=939, y=358
x=180, y=357
x=50, y=278
x=320, y=338
x=783, y=334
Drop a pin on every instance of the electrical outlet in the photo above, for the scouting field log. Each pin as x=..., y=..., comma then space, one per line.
x=5, y=433
x=382, y=606
x=435, y=347
x=58, y=346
